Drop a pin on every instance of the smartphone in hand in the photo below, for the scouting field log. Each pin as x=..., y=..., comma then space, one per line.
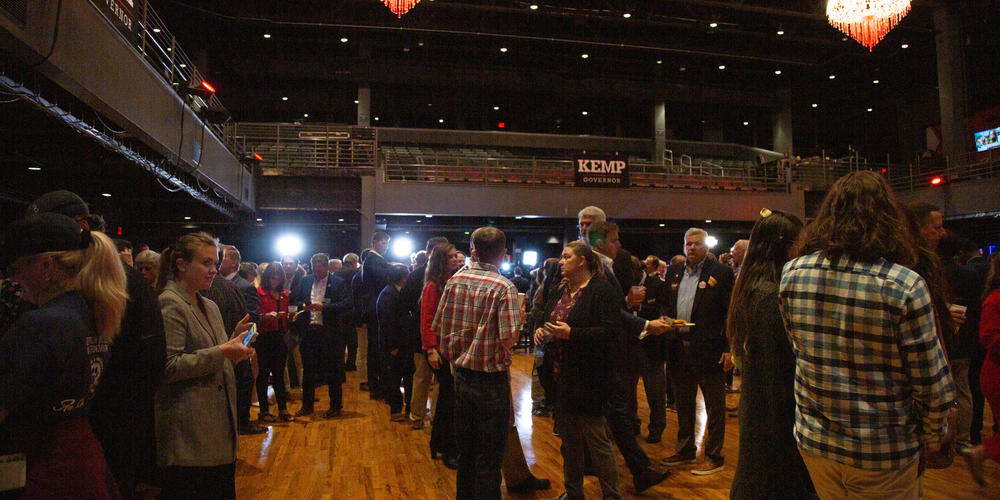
x=251, y=333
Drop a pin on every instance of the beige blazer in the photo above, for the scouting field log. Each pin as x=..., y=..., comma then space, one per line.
x=196, y=404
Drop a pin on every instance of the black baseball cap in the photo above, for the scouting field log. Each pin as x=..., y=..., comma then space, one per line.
x=39, y=233
x=63, y=202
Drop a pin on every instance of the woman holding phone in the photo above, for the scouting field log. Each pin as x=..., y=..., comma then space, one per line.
x=196, y=431
x=270, y=345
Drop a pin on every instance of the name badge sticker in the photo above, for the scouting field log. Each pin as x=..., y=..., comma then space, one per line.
x=701, y=284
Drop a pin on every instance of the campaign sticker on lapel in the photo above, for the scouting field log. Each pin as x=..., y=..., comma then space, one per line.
x=712, y=281
x=701, y=285
x=675, y=286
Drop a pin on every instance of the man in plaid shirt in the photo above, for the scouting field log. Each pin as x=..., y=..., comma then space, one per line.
x=479, y=318
x=872, y=386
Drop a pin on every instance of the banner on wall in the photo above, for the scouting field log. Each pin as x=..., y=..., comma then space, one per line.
x=601, y=172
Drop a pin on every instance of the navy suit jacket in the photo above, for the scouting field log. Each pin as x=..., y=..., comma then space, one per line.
x=373, y=280
x=339, y=304
x=393, y=321
x=711, y=306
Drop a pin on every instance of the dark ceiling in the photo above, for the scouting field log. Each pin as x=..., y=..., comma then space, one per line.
x=444, y=61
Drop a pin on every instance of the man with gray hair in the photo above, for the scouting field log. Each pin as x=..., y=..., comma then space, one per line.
x=336, y=265
x=698, y=291
x=588, y=216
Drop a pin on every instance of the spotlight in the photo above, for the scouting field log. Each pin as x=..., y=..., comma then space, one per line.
x=711, y=241
x=505, y=267
x=936, y=181
x=289, y=244
x=402, y=247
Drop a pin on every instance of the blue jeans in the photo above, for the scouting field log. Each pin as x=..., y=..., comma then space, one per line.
x=482, y=418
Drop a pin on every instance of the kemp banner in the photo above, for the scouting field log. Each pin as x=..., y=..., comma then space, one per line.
x=124, y=15
x=601, y=172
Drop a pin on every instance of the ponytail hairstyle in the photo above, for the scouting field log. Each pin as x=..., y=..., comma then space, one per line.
x=97, y=272
x=184, y=248
x=581, y=249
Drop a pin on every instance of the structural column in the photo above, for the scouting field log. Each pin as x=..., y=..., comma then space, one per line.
x=368, y=208
x=955, y=138
x=783, y=125
x=364, y=106
x=659, y=131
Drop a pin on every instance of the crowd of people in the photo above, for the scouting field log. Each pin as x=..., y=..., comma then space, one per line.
x=866, y=341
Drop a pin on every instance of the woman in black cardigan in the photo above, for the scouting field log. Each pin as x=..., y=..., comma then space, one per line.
x=583, y=318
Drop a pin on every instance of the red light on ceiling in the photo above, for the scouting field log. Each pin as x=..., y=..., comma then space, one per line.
x=937, y=180
x=501, y=125
x=119, y=230
x=258, y=157
x=207, y=86
x=884, y=170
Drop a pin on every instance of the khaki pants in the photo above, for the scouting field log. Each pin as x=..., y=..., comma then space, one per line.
x=836, y=481
x=421, y=383
x=960, y=374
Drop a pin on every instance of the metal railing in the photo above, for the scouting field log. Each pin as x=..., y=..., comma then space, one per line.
x=412, y=165
x=820, y=173
x=333, y=148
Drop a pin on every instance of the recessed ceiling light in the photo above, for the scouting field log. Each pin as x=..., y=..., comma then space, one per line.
x=156, y=30
x=833, y=77
x=584, y=56
x=869, y=110
x=682, y=69
x=430, y=104
x=419, y=221
x=708, y=221
x=518, y=217
x=746, y=123
x=466, y=232
x=904, y=46
x=532, y=7
x=106, y=195
x=875, y=82
x=496, y=108
x=626, y=15
x=357, y=101
x=259, y=219
x=169, y=49
x=267, y=35
x=722, y=66
x=428, y=216
x=663, y=225
x=343, y=40
x=376, y=118
x=284, y=98
x=777, y=71
x=406, y=49
x=440, y=120
x=503, y=49
x=35, y=169
x=305, y=115
x=183, y=65
x=187, y=217
x=340, y=220
x=780, y=32
x=815, y=105
x=713, y=24
x=584, y=113
x=420, y=44
x=659, y=61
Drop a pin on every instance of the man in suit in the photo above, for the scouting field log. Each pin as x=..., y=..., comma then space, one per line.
x=698, y=292
x=323, y=298
x=348, y=323
x=229, y=268
x=397, y=342
x=373, y=273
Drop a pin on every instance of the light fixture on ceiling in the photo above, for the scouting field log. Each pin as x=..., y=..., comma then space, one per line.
x=305, y=115
x=866, y=21
x=722, y=66
x=376, y=118
x=626, y=15
x=533, y=7
x=440, y=120
x=584, y=56
x=343, y=40
x=35, y=169
x=584, y=113
x=156, y=30
x=815, y=105
x=357, y=101
x=400, y=7
x=259, y=219
x=875, y=82
x=496, y=108
x=713, y=24
x=187, y=217
x=780, y=32
x=284, y=98
x=503, y=49
x=746, y=124
x=904, y=45
x=833, y=77
x=267, y=35
x=659, y=61
x=869, y=110
x=777, y=71
x=106, y=195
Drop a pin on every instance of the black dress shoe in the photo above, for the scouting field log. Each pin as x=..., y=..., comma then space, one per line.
x=531, y=484
x=252, y=428
x=648, y=478
x=332, y=413
x=653, y=438
x=304, y=412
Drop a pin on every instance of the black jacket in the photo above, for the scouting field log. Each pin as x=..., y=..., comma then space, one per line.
x=410, y=295
x=231, y=300
x=393, y=320
x=250, y=295
x=587, y=365
x=373, y=276
x=711, y=306
x=337, y=292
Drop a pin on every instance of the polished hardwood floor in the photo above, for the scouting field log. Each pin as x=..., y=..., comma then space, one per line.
x=362, y=455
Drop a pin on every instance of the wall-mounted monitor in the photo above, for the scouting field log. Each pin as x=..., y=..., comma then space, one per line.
x=988, y=139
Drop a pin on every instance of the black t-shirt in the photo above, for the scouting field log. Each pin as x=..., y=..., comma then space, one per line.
x=51, y=361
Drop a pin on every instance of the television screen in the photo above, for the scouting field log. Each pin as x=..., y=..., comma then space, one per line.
x=988, y=139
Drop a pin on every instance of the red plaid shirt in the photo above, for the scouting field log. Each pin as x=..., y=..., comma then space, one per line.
x=479, y=318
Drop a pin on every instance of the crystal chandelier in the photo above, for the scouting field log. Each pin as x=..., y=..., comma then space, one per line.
x=866, y=21
x=400, y=7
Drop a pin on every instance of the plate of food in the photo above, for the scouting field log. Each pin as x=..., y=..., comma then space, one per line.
x=675, y=323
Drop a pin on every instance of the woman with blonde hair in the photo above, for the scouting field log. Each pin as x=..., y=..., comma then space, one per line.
x=196, y=431
x=52, y=358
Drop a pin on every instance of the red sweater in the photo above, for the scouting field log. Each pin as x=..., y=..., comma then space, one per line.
x=429, y=300
x=989, y=327
x=269, y=304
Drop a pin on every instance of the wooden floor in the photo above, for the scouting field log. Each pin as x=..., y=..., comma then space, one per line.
x=362, y=455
